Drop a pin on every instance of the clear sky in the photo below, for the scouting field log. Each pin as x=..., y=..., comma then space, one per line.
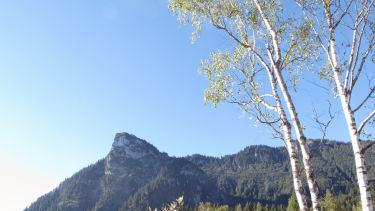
x=74, y=73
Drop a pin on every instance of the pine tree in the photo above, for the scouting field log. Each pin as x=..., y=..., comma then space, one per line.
x=223, y=208
x=342, y=203
x=259, y=207
x=247, y=207
x=330, y=202
x=238, y=207
x=280, y=208
x=292, y=204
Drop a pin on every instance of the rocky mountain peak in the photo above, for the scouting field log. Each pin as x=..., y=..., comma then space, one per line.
x=130, y=146
x=126, y=149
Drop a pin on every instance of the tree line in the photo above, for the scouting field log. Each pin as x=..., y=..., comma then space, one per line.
x=341, y=202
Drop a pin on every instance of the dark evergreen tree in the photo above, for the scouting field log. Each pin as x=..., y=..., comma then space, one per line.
x=247, y=207
x=238, y=207
x=292, y=204
x=330, y=202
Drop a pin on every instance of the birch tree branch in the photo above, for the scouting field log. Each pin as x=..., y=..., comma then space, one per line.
x=368, y=51
x=364, y=149
x=343, y=14
x=323, y=127
x=365, y=122
x=351, y=58
x=372, y=90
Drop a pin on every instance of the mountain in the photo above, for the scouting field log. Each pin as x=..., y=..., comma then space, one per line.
x=135, y=175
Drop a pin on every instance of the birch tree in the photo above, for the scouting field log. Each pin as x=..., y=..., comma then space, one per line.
x=268, y=44
x=345, y=30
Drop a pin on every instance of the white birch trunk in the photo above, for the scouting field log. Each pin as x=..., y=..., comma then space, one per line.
x=353, y=131
x=291, y=147
x=297, y=181
x=311, y=181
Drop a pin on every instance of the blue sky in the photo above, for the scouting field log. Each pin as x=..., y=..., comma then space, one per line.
x=74, y=73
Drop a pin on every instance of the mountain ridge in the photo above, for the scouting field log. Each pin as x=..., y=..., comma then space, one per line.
x=135, y=175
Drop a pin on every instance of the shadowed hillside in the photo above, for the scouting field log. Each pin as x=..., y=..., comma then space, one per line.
x=135, y=175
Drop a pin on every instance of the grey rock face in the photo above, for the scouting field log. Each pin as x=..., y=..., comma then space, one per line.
x=126, y=150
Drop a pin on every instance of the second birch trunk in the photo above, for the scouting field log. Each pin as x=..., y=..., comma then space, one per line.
x=360, y=163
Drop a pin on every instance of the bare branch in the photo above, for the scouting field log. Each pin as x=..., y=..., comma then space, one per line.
x=271, y=31
x=363, y=15
x=323, y=127
x=372, y=90
x=265, y=103
x=231, y=35
x=364, y=149
x=262, y=119
x=361, y=65
x=365, y=122
x=343, y=14
x=351, y=56
x=267, y=121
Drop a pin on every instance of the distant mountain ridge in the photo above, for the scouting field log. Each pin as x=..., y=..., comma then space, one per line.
x=135, y=175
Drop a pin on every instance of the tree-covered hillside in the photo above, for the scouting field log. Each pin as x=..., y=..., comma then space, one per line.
x=136, y=175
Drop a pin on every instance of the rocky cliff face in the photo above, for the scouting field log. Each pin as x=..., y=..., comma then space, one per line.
x=127, y=149
x=131, y=164
x=135, y=175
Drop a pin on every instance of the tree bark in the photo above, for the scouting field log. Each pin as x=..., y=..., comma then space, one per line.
x=353, y=132
x=291, y=147
x=313, y=187
x=297, y=182
x=311, y=180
